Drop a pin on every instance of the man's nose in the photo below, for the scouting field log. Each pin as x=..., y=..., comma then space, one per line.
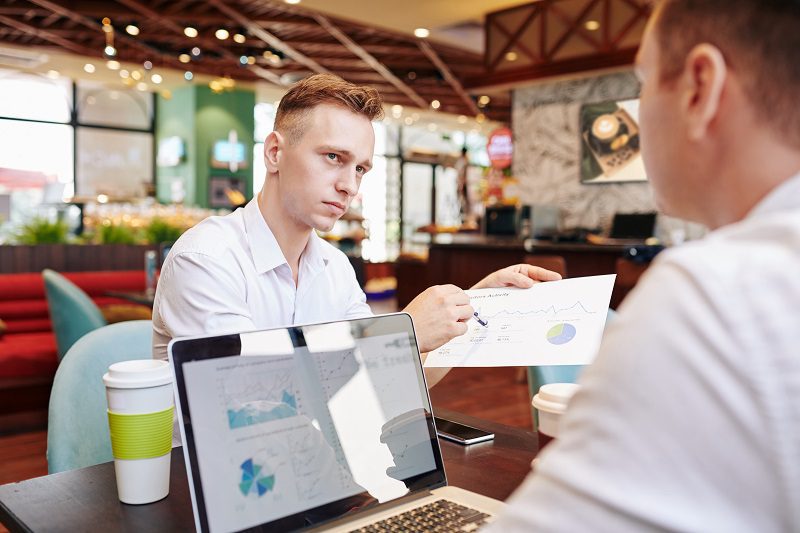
x=348, y=182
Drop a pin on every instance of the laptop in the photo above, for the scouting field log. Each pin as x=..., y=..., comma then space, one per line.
x=634, y=226
x=320, y=426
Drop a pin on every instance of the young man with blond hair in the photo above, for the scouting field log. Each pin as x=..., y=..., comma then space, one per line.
x=689, y=419
x=264, y=266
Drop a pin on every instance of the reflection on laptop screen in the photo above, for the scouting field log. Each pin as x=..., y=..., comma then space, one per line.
x=306, y=423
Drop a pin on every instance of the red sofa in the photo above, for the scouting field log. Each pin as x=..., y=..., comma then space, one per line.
x=28, y=347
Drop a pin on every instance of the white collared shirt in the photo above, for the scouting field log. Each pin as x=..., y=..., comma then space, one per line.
x=228, y=274
x=689, y=418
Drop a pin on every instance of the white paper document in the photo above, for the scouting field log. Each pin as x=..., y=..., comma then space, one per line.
x=552, y=323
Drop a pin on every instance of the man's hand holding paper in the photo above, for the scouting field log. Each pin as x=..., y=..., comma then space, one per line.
x=555, y=323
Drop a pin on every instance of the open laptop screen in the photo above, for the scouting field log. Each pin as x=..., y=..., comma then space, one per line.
x=292, y=427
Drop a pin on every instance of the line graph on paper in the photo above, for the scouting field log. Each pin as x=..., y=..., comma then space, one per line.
x=558, y=322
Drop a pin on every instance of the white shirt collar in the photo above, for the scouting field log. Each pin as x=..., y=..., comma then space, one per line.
x=783, y=197
x=267, y=253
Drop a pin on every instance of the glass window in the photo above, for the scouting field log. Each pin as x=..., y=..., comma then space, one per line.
x=124, y=108
x=259, y=168
x=264, y=120
x=35, y=97
x=35, y=165
x=417, y=188
x=115, y=163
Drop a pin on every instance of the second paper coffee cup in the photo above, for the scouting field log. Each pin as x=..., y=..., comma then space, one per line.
x=140, y=412
x=551, y=403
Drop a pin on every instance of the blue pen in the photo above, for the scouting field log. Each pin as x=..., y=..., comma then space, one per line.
x=482, y=322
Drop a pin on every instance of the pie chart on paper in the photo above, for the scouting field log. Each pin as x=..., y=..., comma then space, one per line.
x=561, y=333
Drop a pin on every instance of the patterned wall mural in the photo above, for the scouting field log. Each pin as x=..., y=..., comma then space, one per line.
x=547, y=150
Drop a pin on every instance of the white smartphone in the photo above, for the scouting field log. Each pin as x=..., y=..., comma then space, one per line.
x=460, y=433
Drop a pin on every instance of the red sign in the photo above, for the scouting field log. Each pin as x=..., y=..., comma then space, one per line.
x=500, y=147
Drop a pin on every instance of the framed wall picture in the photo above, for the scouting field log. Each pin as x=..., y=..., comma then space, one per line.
x=225, y=191
x=610, y=150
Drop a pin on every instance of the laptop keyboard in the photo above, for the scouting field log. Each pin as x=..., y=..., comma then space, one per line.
x=441, y=515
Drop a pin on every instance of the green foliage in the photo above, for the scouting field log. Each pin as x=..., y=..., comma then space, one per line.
x=159, y=230
x=42, y=231
x=116, y=234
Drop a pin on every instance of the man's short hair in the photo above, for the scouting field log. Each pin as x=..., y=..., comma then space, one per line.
x=295, y=106
x=760, y=40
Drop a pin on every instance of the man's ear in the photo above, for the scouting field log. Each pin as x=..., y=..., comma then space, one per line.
x=273, y=147
x=704, y=78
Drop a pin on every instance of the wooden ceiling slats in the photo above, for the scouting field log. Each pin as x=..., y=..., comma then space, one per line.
x=358, y=53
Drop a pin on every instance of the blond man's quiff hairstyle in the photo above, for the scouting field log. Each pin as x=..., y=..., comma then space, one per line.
x=294, y=108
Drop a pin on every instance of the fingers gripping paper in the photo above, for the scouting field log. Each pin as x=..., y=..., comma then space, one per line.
x=552, y=323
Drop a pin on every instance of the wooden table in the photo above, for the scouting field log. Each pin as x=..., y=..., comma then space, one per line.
x=86, y=499
x=137, y=297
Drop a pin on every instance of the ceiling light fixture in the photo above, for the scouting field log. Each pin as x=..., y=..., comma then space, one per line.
x=156, y=78
x=592, y=25
x=484, y=100
x=292, y=2
x=188, y=76
x=110, y=51
x=221, y=34
x=113, y=64
x=184, y=58
x=53, y=74
x=422, y=32
x=147, y=65
x=132, y=29
x=196, y=51
x=141, y=86
x=136, y=75
x=89, y=68
x=511, y=56
x=190, y=32
x=124, y=74
x=436, y=104
x=239, y=38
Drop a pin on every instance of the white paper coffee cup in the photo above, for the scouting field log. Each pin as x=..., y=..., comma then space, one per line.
x=551, y=402
x=140, y=413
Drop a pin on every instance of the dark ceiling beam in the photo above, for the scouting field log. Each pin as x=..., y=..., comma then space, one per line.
x=267, y=37
x=588, y=63
x=454, y=82
x=369, y=59
x=571, y=29
x=44, y=35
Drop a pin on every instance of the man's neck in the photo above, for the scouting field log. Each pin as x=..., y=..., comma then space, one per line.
x=292, y=237
x=759, y=166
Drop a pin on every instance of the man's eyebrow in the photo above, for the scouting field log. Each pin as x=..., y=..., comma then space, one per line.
x=345, y=152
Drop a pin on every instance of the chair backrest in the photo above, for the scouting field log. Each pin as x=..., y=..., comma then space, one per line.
x=72, y=313
x=555, y=263
x=77, y=424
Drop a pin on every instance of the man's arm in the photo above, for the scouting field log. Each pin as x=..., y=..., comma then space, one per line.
x=440, y=312
x=664, y=433
x=198, y=294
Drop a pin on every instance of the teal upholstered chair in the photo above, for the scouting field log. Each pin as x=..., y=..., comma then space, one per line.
x=77, y=424
x=542, y=375
x=72, y=313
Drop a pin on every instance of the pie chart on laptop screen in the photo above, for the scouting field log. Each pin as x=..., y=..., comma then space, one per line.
x=561, y=333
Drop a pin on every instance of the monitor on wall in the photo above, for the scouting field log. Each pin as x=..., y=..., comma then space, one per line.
x=224, y=153
x=609, y=138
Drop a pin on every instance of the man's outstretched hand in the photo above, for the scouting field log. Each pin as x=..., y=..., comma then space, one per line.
x=522, y=276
